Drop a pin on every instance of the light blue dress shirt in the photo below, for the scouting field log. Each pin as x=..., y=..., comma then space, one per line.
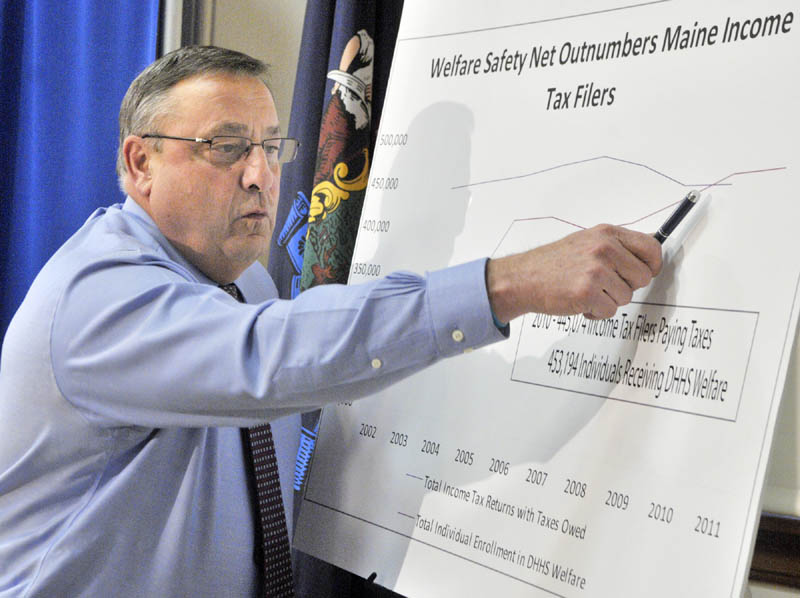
x=124, y=377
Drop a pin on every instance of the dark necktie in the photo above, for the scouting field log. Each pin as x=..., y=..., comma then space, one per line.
x=271, y=520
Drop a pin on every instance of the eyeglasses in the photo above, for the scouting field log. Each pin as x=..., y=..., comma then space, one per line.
x=225, y=150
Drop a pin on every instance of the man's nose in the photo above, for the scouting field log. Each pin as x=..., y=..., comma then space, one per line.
x=258, y=174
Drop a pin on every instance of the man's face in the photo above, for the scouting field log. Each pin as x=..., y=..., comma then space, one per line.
x=219, y=217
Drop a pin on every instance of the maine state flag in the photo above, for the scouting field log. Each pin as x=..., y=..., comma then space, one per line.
x=342, y=74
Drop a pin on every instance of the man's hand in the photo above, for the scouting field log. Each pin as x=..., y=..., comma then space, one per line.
x=592, y=272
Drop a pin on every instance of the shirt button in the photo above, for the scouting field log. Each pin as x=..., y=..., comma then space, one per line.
x=457, y=335
x=376, y=364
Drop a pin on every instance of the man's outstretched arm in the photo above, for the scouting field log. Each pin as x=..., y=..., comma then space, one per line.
x=593, y=272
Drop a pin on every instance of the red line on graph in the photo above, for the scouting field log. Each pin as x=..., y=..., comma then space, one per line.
x=723, y=179
x=733, y=174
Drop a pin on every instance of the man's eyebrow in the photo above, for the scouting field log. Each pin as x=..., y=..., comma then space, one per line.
x=230, y=128
x=233, y=128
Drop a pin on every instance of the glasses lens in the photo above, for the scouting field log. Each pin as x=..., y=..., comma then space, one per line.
x=227, y=150
x=288, y=150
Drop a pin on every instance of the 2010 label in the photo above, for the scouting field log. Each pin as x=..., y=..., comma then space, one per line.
x=661, y=513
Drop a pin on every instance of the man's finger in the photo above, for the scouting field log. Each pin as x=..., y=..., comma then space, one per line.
x=617, y=289
x=643, y=246
x=603, y=307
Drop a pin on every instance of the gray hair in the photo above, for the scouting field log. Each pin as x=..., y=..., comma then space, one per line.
x=145, y=102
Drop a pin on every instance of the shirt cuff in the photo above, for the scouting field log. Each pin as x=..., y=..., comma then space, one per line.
x=459, y=306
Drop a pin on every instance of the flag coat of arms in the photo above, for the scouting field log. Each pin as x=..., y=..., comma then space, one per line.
x=343, y=69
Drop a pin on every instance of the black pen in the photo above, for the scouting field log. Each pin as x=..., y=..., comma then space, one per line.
x=676, y=217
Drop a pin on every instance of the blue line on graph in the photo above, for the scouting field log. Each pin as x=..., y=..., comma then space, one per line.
x=632, y=163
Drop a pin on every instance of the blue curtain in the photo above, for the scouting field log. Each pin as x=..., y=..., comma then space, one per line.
x=64, y=68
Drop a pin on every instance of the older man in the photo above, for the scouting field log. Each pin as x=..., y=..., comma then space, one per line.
x=127, y=372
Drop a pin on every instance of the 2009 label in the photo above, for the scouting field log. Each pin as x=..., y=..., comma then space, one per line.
x=618, y=500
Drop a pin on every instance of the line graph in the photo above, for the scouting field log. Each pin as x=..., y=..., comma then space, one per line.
x=702, y=186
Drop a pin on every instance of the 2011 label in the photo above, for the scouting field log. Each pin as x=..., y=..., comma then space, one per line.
x=706, y=526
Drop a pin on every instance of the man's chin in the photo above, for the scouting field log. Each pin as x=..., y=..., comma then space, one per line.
x=247, y=249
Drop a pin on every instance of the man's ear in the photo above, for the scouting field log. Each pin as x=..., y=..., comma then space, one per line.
x=137, y=161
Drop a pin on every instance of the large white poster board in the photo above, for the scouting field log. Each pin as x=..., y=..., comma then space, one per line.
x=616, y=458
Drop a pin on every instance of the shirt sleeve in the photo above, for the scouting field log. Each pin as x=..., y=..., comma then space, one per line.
x=138, y=344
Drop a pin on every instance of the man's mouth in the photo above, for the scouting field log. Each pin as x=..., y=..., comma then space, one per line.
x=255, y=215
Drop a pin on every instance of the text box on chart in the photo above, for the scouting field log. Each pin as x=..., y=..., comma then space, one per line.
x=673, y=357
